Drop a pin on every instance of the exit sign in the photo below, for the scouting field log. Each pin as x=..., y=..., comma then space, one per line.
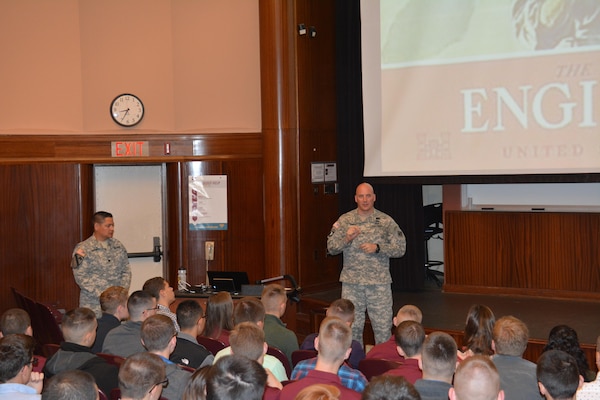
x=130, y=149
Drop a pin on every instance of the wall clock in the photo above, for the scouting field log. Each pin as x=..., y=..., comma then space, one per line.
x=127, y=110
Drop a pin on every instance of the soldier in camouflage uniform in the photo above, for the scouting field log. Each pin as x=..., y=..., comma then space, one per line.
x=99, y=262
x=368, y=238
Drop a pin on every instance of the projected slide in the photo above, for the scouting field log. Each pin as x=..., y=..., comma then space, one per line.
x=463, y=87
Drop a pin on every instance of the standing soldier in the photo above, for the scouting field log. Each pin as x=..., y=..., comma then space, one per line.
x=368, y=238
x=100, y=262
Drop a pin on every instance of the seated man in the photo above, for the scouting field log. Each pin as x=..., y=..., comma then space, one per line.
x=438, y=362
x=79, y=329
x=17, y=320
x=558, y=375
x=142, y=377
x=387, y=350
x=274, y=299
x=188, y=352
x=17, y=379
x=113, y=302
x=333, y=346
x=409, y=340
x=476, y=378
x=344, y=310
x=71, y=385
x=591, y=390
x=235, y=378
x=387, y=387
x=517, y=375
x=159, y=337
x=164, y=294
x=125, y=340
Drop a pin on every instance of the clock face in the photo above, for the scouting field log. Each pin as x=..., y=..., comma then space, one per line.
x=127, y=110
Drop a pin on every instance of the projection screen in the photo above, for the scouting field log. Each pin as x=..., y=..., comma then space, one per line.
x=478, y=87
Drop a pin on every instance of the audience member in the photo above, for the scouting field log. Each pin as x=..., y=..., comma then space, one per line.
x=333, y=346
x=71, y=385
x=319, y=392
x=344, y=310
x=591, y=390
x=159, y=337
x=113, y=302
x=235, y=378
x=79, y=330
x=188, y=351
x=517, y=375
x=477, y=338
x=476, y=378
x=387, y=387
x=274, y=299
x=219, y=317
x=196, y=387
x=124, y=340
x=387, y=350
x=409, y=340
x=438, y=362
x=558, y=375
x=17, y=379
x=164, y=294
x=15, y=320
x=250, y=309
x=563, y=337
x=142, y=377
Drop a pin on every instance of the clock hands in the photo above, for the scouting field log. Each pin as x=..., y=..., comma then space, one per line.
x=124, y=115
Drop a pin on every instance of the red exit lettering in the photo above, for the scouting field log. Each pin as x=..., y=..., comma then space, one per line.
x=130, y=149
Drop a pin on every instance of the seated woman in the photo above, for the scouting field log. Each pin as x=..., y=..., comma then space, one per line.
x=563, y=337
x=478, y=332
x=219, y=317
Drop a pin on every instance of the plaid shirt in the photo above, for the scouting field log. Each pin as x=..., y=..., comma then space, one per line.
x=351, y=378
x=166, y=311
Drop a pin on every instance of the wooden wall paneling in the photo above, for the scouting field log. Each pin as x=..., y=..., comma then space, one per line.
x=176, y=245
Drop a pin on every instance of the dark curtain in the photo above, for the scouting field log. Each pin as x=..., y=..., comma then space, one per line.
x=404, y=202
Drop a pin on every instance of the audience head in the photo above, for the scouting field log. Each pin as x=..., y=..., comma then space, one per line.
x=510, y=336
x=274, y=299
x=409, y=337
x=141, y=376
x=16, y=358
x=219, y=314
x=141, y=305
x=249, y=309
x=408, y=312
x=114, y=301
x=319, y=391
x=234, y=378
x=438, y=357
x=476, y=378
x=342, y=309
x=196, y=387
x=15, y=320
x=478, y=329
x=79, y=326
x=190, y=316
x=248, y=339
x=389, y=387
x=563, y=337
x=159, y=334
x=160, y=289
x=71, y=385
x=558, y=375
x=334, y=340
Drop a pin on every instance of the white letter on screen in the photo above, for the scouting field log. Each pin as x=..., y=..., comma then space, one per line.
x=588, y=104
x=567, y=108
x=504, y=97
x=470, y=108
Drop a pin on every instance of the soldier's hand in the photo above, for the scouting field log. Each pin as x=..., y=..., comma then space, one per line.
x=352, y=233
x=369, y=247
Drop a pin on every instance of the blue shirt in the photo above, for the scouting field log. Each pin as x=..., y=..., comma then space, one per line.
x=17, y=391
x=351, y=378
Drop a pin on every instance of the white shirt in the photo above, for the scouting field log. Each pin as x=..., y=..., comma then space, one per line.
x=590, y=390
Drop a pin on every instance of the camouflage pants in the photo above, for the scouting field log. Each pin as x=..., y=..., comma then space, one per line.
x=377, y=301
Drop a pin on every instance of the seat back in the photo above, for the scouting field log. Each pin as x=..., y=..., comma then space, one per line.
x=48, y=320
x=371, y=367
x=212, y=345
x=275, y=352
x=112, y=358
x=432, y=219
x=49, y=349
x=300, y=355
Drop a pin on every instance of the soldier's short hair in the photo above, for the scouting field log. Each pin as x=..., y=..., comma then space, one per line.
x=100, y=216
x=71, y=385
x=439, y=355
x=249, y=309
x=510, y=336
x=112, y=298
x=476, y=377
x=390, y=387
x=343, y=309
x=188, y=313
x=558, y=372
x=410, y=336
x=234, y=377
x=272, y=297
x=139, y=373
x=157, y=332
x=247, y=339
x=14, y=320
x=77, y=323
x=137, y=302
x=16, y=351
x=335, y=338
x=409, y=312
x=154, y=286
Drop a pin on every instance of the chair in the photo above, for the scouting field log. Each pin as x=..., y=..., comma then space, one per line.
x=300, y=355
x=187, y=368
x=50, y=323
x=275, y=352
x=212, y=345
x=49, y=349
x=112, y=358
x=433, y=220
x=372, y=367
x=101, y=395
x=115, y=394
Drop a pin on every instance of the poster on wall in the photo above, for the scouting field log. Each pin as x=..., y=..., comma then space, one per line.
x=208, y=202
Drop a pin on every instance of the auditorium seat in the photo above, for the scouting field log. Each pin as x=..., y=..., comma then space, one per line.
x=371, y=367
x=112, y=358
x=275, y=352
x=212, y=345
x=300, y=355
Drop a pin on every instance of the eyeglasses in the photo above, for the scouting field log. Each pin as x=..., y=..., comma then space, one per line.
x=152, y=309
x=34, y=362
x=164, y=384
